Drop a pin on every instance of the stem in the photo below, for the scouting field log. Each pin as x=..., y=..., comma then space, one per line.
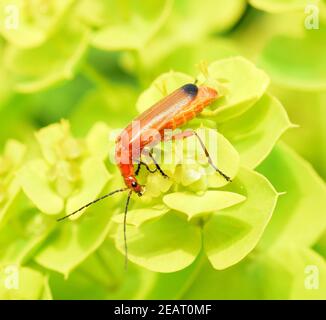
x=191, y=279
x=95, y=280
x=107, y=267
x=114, y=281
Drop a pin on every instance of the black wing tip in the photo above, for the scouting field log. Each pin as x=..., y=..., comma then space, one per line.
x=190, y=89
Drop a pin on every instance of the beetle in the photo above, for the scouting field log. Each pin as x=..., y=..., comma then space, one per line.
x=173, y=111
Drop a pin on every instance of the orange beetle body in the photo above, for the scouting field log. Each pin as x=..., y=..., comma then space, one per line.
x=171, y=112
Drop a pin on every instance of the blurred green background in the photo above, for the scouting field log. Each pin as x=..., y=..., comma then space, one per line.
x=88, y=61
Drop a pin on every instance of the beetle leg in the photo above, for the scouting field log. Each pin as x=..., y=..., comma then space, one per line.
x=189, y=133
x=150, y=154
x=157, y=165
x=141, y=163
x=138, y=169
x=210, y=161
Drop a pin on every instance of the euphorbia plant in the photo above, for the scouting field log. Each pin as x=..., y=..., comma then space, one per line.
x=195, y=208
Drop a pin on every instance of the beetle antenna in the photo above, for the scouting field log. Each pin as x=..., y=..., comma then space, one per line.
x=92, y=202
x=125, y=229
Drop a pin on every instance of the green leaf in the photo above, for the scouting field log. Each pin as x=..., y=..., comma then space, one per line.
x=187, y=26
x=299, y=218
x=94, y=176
x=131, y=26
x=309, y=138
x=238, y=282
x=210, y=16
x=173, y=285
x=31, y=284
x=121, y=37
x=56, y=60
x=137, y=217
x=93, y=12
x=72, y=242
x=305, y=69
x=33, y=180
x=23, y=233
x=108, y=102
x=165, y=245
x=279, y=6
x=244, y=83
x=258, y=277
x=156, y=60
x=255, y=132
x=29, y=24
x=284, y=273
x=233, y=232
x=193, y=205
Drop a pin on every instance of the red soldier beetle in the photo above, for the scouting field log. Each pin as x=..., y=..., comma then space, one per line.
x=171, y=112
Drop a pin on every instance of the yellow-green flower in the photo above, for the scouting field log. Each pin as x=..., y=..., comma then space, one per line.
x=68, y=173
